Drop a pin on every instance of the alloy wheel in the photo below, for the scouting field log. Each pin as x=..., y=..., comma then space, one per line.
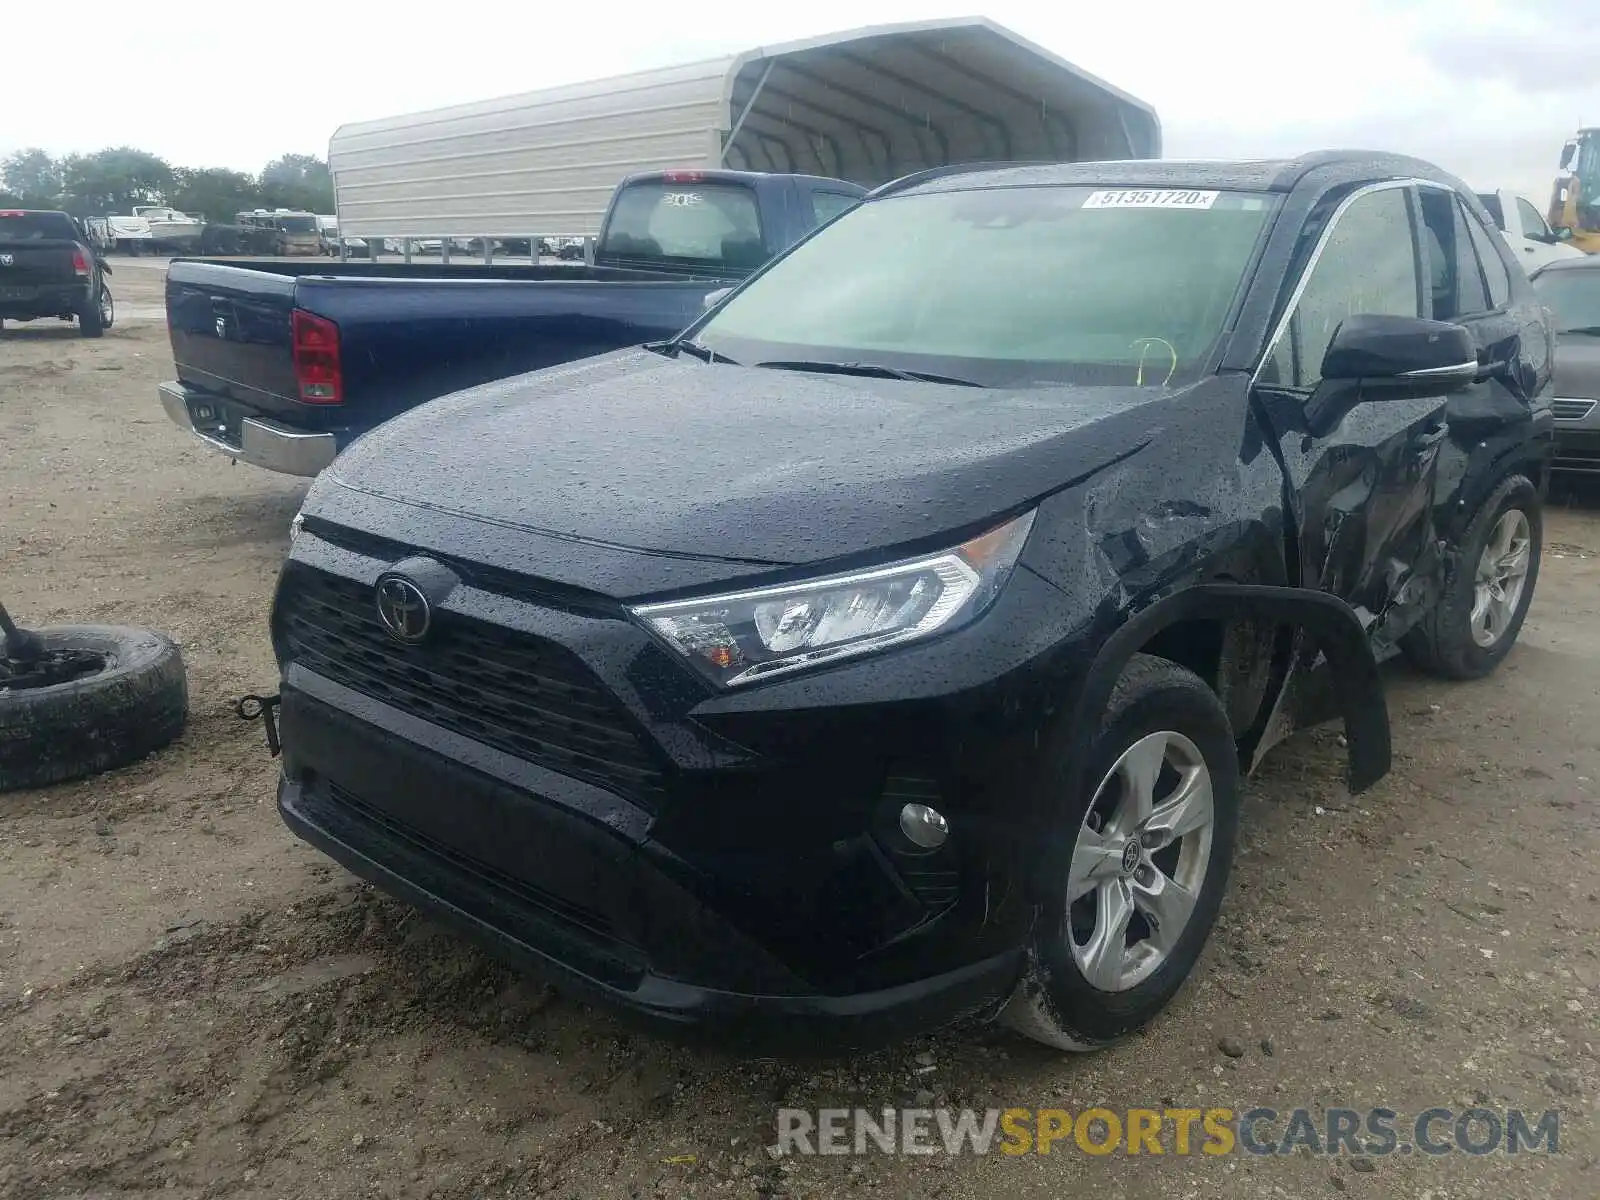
x=1140, y=861
x=1502, y=574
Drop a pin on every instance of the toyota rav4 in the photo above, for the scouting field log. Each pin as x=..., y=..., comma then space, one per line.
x=887, y=648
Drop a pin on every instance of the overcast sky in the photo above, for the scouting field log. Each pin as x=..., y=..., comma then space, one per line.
x=1488, y=89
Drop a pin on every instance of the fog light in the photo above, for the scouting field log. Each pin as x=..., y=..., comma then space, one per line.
x=926, y=827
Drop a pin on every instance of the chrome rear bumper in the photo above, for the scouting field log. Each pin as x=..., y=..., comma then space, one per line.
x=261, y=443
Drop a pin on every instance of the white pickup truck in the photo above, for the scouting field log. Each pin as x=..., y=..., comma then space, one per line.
x=1525, y=228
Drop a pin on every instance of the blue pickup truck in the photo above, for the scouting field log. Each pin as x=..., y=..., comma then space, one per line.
x=282, y=364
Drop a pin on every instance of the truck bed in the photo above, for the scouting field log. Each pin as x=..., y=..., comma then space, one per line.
x=406, y=333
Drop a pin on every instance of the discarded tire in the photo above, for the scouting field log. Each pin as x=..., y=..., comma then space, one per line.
x=136, y=703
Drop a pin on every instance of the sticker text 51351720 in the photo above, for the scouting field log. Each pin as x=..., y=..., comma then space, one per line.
x=1150, y=198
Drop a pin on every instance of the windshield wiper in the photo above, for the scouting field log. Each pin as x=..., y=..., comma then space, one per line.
x=703, y=353
x=876, y=370
x=1586, y=330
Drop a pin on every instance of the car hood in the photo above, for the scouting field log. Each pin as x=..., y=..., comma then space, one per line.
x=1578, y=366
x=638, y=452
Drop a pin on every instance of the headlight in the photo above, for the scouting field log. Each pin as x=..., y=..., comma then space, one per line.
x=745, y=636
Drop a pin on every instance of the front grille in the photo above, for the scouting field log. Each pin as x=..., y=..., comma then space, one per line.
x=1572, y=410
x=519, y=693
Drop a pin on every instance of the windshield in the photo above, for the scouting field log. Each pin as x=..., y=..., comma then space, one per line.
x=1007, y=285
x=717, y=224
x=35, y=226
x=1574, y=296
x=297, y=224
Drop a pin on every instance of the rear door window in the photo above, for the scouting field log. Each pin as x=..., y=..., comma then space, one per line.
x=704, y=223
x=1455, y=279
x=36, y=226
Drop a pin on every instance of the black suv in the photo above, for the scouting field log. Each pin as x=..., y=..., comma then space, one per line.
x=50, y=268
x=888, y=647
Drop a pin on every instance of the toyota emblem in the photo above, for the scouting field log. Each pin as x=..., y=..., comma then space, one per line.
x=403, y=609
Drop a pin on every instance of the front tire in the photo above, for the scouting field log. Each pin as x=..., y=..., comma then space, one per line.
x=1487, y=589
x=1143, y=865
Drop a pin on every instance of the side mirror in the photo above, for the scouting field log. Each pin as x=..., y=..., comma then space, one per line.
x=715, y=298
x=1407, y=353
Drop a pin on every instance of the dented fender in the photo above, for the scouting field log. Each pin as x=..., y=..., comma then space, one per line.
x=1330, y=623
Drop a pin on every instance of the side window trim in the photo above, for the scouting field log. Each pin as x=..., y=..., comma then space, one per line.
x=1495, y=239
x=1281, y=328
x=1465, y=215
x=1421, y=248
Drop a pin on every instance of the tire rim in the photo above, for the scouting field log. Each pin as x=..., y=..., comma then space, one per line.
x=1140, y=861
x=1502, y=576
x=107, y=309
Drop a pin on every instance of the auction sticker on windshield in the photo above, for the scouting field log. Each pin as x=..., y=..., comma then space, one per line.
x=1150, y=198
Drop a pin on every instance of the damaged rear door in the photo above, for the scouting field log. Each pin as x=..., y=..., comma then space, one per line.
x=1363, y=474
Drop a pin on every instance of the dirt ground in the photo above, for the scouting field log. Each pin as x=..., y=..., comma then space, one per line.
x=195, y=1004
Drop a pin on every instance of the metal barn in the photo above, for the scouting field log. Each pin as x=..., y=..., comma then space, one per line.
x=868, y=106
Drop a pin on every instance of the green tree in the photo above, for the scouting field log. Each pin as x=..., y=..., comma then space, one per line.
x=114, y=180
x=31, y=178
x=299, y=181
x=214, y=193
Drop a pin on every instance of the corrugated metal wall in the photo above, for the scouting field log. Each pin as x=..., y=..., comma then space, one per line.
x=867, y=105
x=543, y=163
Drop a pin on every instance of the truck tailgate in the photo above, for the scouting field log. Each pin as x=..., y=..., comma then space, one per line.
x=231, y=333
x=28, y=264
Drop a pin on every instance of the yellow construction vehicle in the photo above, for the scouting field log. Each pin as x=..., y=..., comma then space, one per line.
x=1575, y=200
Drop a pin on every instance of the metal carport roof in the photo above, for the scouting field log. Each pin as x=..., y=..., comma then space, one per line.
x=866, y=105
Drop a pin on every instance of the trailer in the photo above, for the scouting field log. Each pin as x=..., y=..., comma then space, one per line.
x=867, y=106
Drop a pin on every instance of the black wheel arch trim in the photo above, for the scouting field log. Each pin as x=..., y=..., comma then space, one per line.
x=1329, y=621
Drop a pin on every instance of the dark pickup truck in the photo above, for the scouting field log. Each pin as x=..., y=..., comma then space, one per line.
x=283, y=364
x=49, y=268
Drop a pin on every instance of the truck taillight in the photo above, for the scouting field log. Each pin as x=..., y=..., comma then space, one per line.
x=316, y=358
x=80, y=262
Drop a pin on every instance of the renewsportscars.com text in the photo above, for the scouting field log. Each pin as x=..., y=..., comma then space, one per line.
x=1373, y=1132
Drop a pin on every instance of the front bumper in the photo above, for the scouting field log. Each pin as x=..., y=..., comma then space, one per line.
x=259, y=442
x=580, y=800
x=577, y=947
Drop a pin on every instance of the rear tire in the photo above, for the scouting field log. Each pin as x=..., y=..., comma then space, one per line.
x=1452, y=641
x=1072, y=996
x=137, y=704
x=91, y=324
